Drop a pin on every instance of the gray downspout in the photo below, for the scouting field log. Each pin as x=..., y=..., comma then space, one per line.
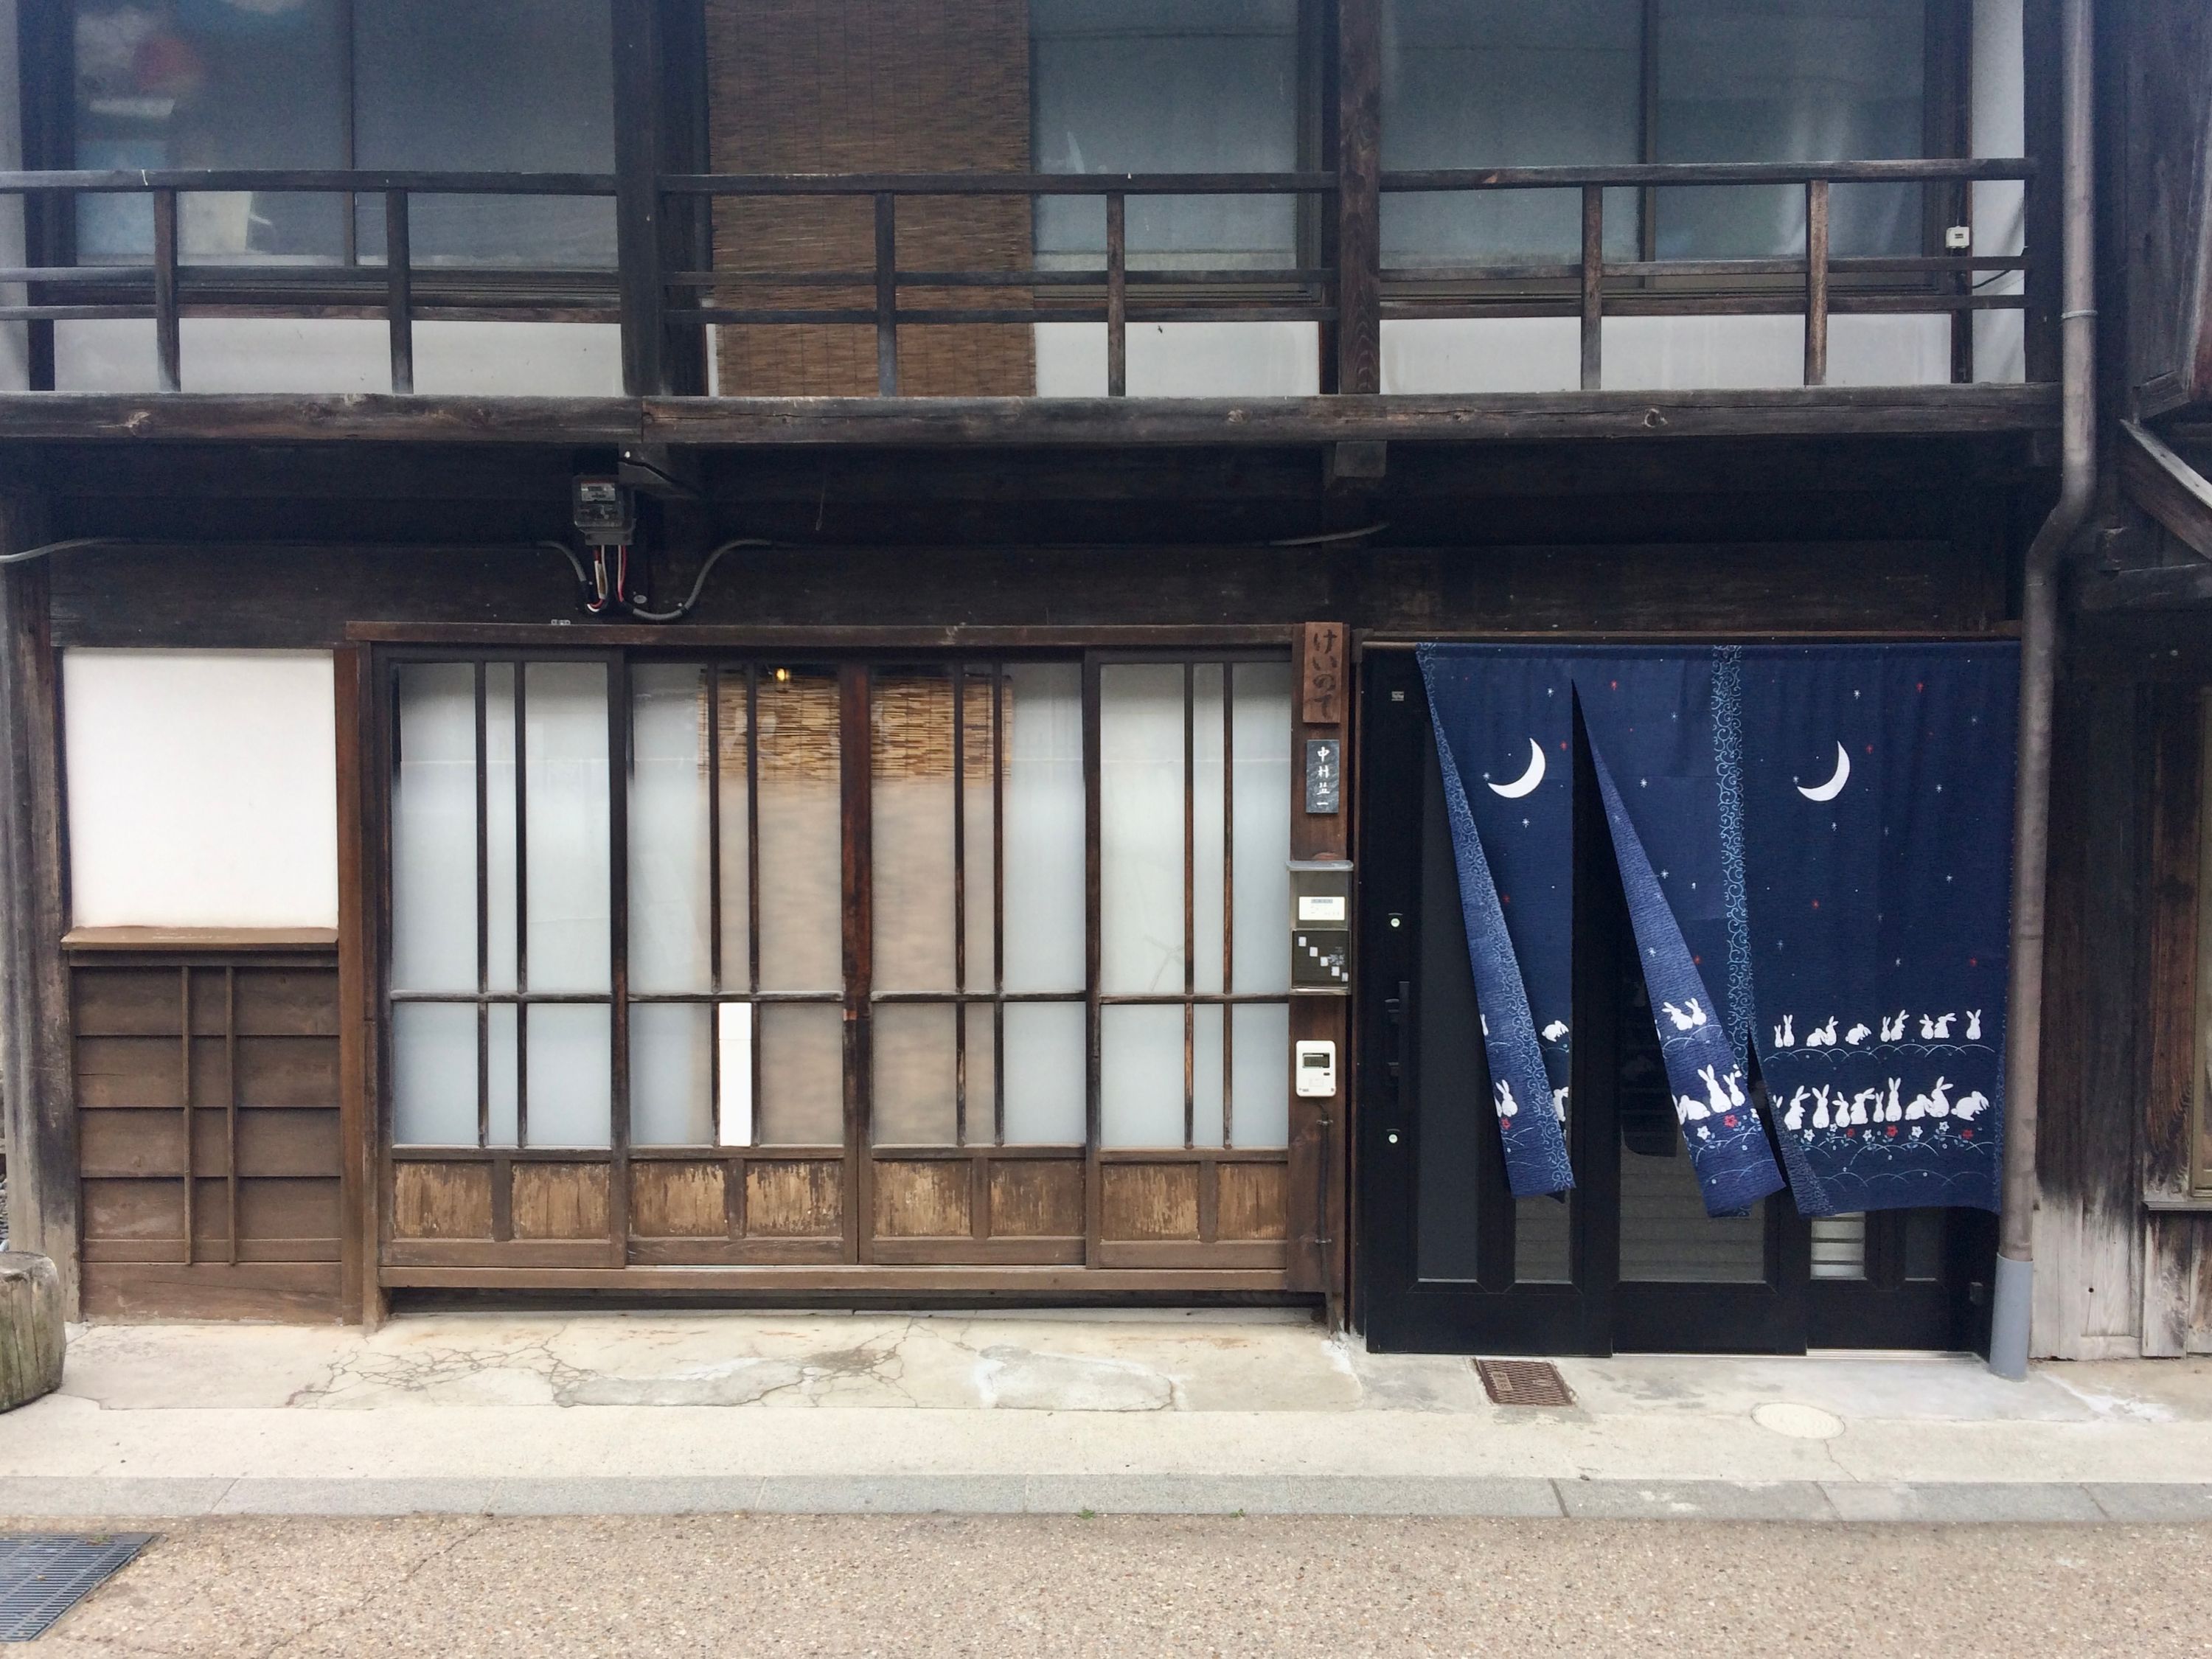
x=2013, y=1295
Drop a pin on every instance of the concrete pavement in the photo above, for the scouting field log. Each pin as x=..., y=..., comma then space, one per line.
x=1003, y=1413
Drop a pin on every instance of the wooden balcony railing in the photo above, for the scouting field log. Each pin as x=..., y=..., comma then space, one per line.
x=658, y=305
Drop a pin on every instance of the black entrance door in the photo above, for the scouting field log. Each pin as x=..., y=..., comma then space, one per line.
x=1630, y=1261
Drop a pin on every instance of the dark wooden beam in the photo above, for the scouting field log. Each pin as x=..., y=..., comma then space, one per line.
x=2163, y=588
x=36, y=1089
x=1040, y=423
x=1359, y=213
x=2166, y=487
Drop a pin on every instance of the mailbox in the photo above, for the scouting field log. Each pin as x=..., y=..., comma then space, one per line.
x=1321, y=927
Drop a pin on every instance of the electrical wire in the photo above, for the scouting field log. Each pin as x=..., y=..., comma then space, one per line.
x=699, y=586
x=1323, y=539
x=70, y=546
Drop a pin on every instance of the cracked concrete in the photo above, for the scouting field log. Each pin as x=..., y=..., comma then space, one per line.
x=995, y=1411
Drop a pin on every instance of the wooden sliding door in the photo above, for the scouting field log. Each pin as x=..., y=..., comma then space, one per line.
x=948, y=964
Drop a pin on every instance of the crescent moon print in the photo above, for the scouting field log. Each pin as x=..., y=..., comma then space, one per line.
x=1833, y=786
x=1527, y=782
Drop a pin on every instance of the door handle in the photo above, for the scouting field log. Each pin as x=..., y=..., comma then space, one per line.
x=1393, y=1017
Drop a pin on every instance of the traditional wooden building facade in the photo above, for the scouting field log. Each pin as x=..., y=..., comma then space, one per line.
x=759, y=649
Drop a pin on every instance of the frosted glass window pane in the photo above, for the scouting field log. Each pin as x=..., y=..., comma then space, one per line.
x=1140, y=1077
x=495, y=86
x=1044, y=874
x=1166, y=86
x=434, y=830
x=734, y=1104
x=566, y=814
x=802, y=1062
x=503, y=1075
x=1789, y=81
x=571, y=1052
x=1208, y=793
x=1263, y=827
x=978, y=767
x=1482, y=84
x=503, y=916
x=910, y=725
x=801, y=860
x=1262, y=1079
x=211, y=86
x=912, y=1103
x=1141, y=734
x=732, y=734
x=670, y=1074
x=1045, y=1074
x=434, y=1074
x=1206, y=1092
x=669, y=853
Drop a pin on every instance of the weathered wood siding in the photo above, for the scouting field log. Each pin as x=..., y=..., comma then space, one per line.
x=207, y=1100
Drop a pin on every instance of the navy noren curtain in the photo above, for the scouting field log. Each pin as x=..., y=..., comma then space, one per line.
x=1815, y=846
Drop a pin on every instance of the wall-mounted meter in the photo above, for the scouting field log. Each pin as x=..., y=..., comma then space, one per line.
x=1321, y=927
x=1316, y=1070
x=602, y=510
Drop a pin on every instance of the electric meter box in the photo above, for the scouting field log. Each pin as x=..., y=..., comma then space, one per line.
x=1321, y=927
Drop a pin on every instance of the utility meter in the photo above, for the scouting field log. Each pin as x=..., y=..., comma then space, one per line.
x=1317, y=1070
x=1321, y=927
x=603, y=511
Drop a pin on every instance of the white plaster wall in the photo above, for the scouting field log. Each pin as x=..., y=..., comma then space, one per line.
x=312, y=356
x=1657, y=353
x=201, y=788
x=2000, y=128
x=1183, y=360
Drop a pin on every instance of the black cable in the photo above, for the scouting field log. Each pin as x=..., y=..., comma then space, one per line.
x=699, y=586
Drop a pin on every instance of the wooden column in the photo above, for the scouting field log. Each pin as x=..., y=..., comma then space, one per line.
x=361, y=1301
x=1319, y=1177
x=1359, y=216
x=638, y=81
x=36, y=1084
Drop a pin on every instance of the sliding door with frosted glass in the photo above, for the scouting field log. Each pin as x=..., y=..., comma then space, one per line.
x=1192, y=1085
x=739, y=1134
x=976, y=1029
x=502, y=1030
x=721, y=962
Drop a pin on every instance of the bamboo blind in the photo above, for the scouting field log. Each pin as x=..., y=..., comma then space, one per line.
x=841, y=86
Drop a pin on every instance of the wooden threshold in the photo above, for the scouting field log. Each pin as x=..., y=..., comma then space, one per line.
x=201, y=938
x=744, y=423
x=843, y=1280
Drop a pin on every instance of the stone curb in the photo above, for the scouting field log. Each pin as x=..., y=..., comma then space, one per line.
x=46, y=1497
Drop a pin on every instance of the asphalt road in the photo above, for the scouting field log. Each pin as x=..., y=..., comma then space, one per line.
x=736, y=1585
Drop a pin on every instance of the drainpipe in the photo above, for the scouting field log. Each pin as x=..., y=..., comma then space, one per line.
x=2012, y=1294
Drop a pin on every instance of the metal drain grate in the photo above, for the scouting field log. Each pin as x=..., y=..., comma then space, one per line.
x=1523, y=1382
x=44, y=1574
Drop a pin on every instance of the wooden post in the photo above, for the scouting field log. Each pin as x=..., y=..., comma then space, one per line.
x=886, y=294
x=37, y=1085
x=1816, y=283
x=1117, y=296
x=360, y=1299
x=637, y=81
x=166, y=338
x=1593, y=286
x=1320, y=667
x=1359, y=195
x=399, y=289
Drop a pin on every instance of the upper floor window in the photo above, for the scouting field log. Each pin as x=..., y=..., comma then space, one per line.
x=1168, y=85
x=1474, y=83
x=491, y=85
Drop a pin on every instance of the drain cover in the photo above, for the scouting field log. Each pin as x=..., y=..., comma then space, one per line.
x=44, y=1574
x=1522, y=1383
